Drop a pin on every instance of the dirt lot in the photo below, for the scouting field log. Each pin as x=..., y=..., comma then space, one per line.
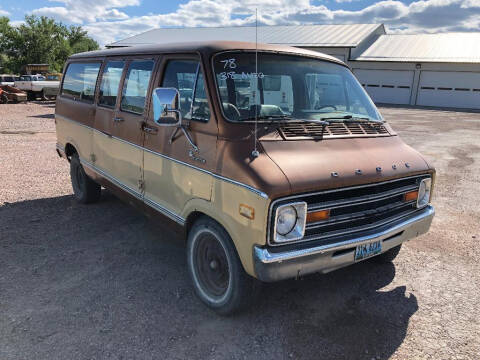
x=104, y=282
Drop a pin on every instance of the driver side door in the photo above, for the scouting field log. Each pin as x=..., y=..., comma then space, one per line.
x=173, y=172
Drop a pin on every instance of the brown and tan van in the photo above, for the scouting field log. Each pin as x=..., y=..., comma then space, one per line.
x=273, y=161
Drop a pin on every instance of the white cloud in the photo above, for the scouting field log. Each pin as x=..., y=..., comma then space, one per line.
x=4, y=12
x=86, y=11
x=106, y=23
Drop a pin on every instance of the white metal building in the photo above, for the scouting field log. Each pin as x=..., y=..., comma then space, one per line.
x=440, y=70
x=425, y=69
x=341, y=41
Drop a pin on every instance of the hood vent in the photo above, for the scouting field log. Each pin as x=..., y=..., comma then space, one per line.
x=306, y=130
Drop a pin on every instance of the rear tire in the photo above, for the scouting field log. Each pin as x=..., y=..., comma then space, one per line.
x=85, y=190
x=4, y=99
x=388, y=256
x=217, y=274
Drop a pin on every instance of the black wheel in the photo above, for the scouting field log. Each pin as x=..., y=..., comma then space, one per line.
x=388, y=256
x=31, y=95
x=3, y=99
x=85, y=189
x=215, y=269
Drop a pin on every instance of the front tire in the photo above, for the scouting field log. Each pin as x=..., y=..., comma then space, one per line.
x=85, y=190
x=215, y=269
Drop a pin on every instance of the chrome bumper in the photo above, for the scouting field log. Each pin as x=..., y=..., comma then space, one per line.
x=273, y=266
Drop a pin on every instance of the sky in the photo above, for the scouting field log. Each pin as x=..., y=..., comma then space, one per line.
x=111, y=20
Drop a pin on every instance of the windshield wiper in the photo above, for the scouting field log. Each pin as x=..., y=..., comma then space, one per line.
x=314, y=121
x=287, y=118
x=350, y=118
x=267, y=117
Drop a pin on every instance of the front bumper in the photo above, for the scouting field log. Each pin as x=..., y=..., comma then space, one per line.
x=272, y=265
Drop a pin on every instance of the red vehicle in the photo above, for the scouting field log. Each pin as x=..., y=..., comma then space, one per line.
x=10, y=93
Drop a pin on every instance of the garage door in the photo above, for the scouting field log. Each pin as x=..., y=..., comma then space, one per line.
x=387, y=86
x=449, y=89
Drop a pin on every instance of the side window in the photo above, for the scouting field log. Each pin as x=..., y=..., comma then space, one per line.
x=80, y=80
x=112, y=73
x=181, y=74
x=200, y=109
x=135, y=86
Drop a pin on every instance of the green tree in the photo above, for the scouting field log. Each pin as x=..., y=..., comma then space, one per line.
x=41, y=40
x=5, y=38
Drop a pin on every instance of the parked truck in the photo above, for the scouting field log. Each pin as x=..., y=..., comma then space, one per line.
x=8, y=79
x=37, y=86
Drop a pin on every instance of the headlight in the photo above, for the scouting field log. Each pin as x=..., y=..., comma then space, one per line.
x=290, y=222
x=287, y=218
x=424, y=192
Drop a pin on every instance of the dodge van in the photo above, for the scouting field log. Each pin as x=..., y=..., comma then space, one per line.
x=272, y=161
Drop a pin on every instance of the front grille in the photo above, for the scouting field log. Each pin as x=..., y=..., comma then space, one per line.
x=306, y=130
x=354, y=210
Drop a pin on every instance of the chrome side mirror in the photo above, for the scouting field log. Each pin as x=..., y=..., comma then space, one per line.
x=166, y=107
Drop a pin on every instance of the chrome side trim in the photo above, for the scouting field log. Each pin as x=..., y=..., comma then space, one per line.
x=120, y=139
x=234, y=182
x=274, y=266
x=216, y=176
x=165, y=211
x=72, y=121
x=170, y=214
x=113, y=179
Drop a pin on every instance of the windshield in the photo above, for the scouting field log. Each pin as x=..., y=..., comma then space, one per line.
x=286, y=86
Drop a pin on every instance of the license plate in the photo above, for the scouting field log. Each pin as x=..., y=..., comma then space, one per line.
x=368, y=250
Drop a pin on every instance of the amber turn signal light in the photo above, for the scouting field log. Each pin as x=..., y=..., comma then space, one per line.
x=247, y=211
x=410, y=196
x=318, y=216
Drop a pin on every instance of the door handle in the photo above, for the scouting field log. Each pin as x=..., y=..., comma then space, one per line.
x=149, y=130
x=118, y=119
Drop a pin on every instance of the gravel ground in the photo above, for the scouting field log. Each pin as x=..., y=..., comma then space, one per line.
x=104, y=282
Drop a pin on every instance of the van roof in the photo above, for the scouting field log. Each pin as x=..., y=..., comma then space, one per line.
x=205, y=48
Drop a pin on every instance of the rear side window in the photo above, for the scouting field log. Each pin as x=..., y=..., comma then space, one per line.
x=80, y=80
x=136, y=86
x=112, y=73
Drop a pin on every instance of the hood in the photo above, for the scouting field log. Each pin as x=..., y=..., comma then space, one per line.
x=317, y=165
